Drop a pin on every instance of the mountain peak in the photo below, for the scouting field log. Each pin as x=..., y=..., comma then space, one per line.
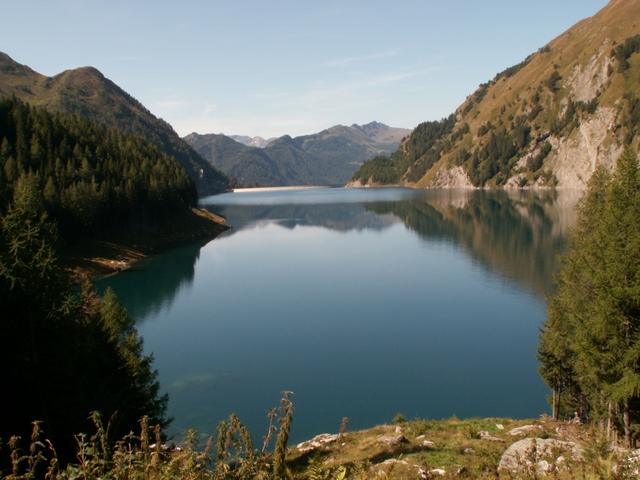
x=375, y=124
x=85, y=91
x=9, y=66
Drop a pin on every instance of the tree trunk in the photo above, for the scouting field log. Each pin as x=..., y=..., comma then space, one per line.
x=626, y=417
x=609, y=413
x=555, y=402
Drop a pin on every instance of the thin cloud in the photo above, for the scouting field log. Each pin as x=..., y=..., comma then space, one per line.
x=348, y=61
x=361, y=91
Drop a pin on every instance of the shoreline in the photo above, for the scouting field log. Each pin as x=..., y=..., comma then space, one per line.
x=282, y=188
x=96, y=259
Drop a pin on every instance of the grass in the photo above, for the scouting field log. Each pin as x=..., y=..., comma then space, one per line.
x=458, y=450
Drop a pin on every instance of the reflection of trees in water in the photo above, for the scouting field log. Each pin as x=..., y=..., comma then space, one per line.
x=152, y=285
x=517, y=235
x=334, y=216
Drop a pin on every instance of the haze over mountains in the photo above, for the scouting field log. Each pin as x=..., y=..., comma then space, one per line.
x=326, y=158
x=88, y=93
x=545, y=122
x=252, y=141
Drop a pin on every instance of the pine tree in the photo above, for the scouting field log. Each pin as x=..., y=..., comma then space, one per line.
x=591, y=340
x=68, y=354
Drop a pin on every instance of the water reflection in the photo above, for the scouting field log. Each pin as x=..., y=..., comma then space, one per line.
x=363, y=302
x=164, y=276
x=514, y=234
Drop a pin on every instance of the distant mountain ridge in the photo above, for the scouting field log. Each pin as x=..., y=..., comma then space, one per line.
x=87, y=92
x=545, y=122
x=252, y=141
x=328, y=157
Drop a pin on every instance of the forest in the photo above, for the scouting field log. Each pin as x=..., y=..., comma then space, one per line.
x=72, y=352
x=95, y=181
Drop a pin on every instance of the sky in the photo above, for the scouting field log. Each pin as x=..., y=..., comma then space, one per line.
x=275, y=67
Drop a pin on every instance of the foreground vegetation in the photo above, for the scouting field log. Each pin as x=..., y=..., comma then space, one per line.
x=65, y=351
x=452, y=448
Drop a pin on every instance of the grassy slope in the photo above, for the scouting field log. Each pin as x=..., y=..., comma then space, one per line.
x=615, y=23
x=508, y=96
x=456, y=447
x=420, y=449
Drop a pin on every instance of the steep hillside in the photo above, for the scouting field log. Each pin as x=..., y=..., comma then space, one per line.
x=243, y=164
x=88, y=93
x=326, y=158
x=96, y=183
x=547, y=121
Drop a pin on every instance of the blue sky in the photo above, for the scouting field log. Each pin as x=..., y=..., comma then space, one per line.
x=273, y=67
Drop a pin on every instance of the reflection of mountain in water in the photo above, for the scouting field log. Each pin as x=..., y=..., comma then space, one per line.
x=518, y=235
x=162, y=278
x=515, y=234
x=340, y=216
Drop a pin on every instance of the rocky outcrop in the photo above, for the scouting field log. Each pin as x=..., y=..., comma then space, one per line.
x=546, y=122
x=454, y=177
x=574, y=159
x=316, y=442
x=586, y=81
x=540, y=455
x=524, y=430
x=392, y=441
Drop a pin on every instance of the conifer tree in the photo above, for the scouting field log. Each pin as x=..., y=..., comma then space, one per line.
x=590, y=344
x=66, y=355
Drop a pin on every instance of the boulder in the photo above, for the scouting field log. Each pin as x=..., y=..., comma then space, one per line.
x=427, y=444
x=524, y=430
x=316, y=442
x=392, y=440
x=484, y=435
x=539, y=453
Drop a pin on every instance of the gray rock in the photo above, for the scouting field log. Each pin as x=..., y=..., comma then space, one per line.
x=316, y=442
x=542, y=452
x=484, y=435
x=392, y=440
x=524, y=430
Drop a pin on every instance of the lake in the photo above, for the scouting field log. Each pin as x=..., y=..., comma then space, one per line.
x=364, y=303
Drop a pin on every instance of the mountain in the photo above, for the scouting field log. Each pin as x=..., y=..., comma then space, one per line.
x=86, y=92
x=326, y=158
x=95, y=182
x=252, y=141
x=548, y=121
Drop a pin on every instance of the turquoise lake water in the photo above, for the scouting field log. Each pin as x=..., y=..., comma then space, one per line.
x=364, y=303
